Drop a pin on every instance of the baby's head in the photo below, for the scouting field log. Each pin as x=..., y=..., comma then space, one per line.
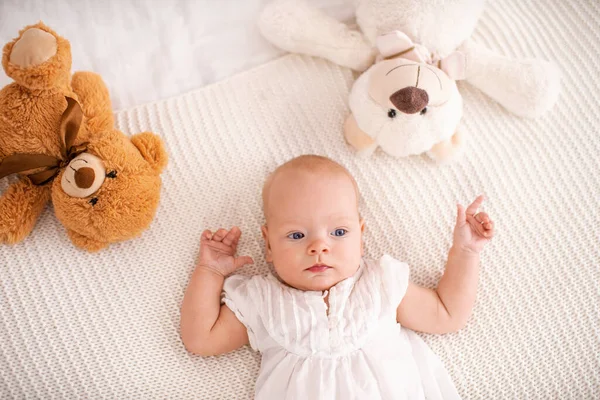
x=313, y=231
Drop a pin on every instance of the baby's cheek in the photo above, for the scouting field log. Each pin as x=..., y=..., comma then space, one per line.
x=353, y=248
x=353, y=253
x=286, y=258
x=288, y=265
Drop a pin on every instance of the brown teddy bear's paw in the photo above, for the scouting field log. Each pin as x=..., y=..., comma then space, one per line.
x=94, y=99
x=12, y=237
x=38, y=58
x=33, y=48
x=6, y=237
x=20, y=208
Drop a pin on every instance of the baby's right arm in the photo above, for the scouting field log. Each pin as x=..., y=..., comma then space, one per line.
x=207, y=327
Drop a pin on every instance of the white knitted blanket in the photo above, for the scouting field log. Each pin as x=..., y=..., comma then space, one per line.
x=75, y=325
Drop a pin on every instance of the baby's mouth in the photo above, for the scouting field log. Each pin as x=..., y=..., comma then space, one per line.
x=318, y=268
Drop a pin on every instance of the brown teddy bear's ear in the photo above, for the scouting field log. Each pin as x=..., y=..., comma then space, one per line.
x=152, y=149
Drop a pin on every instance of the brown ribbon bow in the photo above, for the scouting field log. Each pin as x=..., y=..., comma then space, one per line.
x=70, y=124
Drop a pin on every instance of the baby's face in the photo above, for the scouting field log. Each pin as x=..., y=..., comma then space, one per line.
x=313, y=233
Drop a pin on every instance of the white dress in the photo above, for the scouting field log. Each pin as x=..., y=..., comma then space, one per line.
x=357, y=350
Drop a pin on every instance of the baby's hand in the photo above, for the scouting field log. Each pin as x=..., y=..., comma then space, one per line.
x=473, y=229
x=217, y=252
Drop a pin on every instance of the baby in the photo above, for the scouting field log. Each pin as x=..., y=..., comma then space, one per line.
x=331, y=324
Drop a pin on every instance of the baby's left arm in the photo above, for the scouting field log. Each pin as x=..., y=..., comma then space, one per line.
x=447, y=308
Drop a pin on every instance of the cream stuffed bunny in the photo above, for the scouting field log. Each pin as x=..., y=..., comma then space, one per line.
x=406, y=101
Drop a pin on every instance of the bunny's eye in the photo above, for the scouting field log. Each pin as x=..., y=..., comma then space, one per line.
x=424, y=111
x=392, y=113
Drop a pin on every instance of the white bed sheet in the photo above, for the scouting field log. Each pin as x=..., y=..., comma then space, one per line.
x=152, y=50
x=106, y=326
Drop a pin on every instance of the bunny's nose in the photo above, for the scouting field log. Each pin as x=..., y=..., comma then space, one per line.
x=410, y=100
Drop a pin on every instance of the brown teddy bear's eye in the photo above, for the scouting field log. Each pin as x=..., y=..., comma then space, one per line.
x=112, y=174
x=93, y=201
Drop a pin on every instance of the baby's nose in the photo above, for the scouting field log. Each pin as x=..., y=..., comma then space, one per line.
x=318, y=247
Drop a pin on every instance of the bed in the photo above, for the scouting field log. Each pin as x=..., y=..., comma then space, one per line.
x=230, y=107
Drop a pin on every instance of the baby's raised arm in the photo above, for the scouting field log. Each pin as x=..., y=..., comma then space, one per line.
x=447, y=308
x=207, y=327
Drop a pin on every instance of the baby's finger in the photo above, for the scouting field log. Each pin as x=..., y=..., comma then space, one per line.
x=472, y=219
x=476, y=225
x=472, y=209
x=242, y=260
x=481, y=218
x=206, y=235
x=484, y=226
x=236, y=239
x=232, y=236
x=460, y=214
x=221, y=233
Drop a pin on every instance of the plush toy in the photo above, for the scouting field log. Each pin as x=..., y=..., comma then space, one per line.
x=57, y=132
x=407, y=101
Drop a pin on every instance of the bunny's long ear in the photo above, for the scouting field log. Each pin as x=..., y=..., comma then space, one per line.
x=527, y=87
x=297, y=27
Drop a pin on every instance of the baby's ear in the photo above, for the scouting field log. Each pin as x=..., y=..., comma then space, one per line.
x=152, y=149
x=362, y=239
x=265, y=235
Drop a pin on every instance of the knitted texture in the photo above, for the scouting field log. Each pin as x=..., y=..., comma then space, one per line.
x=106, y=325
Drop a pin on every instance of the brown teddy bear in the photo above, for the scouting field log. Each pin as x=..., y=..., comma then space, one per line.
x=57, y=132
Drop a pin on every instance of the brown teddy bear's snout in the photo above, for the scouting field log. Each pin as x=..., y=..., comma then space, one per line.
x=84, y=175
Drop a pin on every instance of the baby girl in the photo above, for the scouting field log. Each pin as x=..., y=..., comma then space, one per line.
x=330, y=324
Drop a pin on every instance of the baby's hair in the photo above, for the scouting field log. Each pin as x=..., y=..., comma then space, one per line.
x=310, y=163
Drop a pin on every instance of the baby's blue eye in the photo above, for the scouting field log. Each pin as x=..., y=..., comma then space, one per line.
x=296, y=235
x=339, y=232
